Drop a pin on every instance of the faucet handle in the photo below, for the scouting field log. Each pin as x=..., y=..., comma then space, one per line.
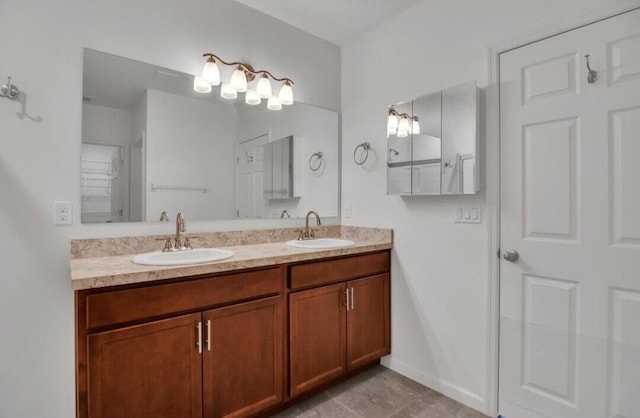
x=187, y=242
x=167, y=244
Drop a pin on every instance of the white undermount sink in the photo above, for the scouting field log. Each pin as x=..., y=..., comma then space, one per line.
x=178, y=258
x=320, y=243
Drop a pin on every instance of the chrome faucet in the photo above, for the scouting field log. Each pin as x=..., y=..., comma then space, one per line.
x=285, y=213
x=181, y=226
x=307, y=233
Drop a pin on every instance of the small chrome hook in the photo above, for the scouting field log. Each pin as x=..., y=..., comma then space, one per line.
x=9, y=90
x=592, y=75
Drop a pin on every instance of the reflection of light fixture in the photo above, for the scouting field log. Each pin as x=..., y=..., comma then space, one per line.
x=252, y=97
x=241, y=77
x=274, y=103
x=200, y=85
x=415, y=126
x=227, y=91
x=402, y=124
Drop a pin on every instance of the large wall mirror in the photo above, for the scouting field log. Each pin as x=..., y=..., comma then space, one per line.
x=433, y=142
x=151, y=145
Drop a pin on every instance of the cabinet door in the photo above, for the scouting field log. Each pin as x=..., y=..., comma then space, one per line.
x=150, y=370
x=243, y=358
x=368, y=336
x=317, y=336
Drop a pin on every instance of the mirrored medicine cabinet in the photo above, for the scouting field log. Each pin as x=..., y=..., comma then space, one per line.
x=278, y=169
x=433, y=143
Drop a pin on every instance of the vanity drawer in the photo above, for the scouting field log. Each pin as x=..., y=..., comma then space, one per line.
x=121, y=306
x=342, y=269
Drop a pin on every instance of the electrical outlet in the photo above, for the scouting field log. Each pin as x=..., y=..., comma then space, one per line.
x=347, y=211
x=62, y=214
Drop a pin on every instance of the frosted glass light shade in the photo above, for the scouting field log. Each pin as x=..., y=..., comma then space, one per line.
x=286, y=94
x=403, y=126
x=227, y=91
x=392, y=124
x=415, y=127
x=403, y=134
x=274, y=103
x=200, y=85
x=211, y=73
x=239, y=81
x=264, y=87
x=252, y=98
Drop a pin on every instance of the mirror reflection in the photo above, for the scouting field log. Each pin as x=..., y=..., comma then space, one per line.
x=150, y=144
x=432, y=143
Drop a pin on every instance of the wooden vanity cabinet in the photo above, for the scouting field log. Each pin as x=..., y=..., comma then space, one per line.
x=338, y=327
x=160, y=351
x=243, y=361
x=214, y=345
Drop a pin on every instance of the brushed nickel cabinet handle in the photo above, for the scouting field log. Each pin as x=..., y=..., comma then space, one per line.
x=352, y=292
x=208, y=335
x=199, y=343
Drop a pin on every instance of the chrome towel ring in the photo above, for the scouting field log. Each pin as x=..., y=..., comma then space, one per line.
x=365, y=153
x=315, y=161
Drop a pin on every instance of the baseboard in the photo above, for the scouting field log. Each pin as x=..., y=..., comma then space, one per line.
x=453, y=391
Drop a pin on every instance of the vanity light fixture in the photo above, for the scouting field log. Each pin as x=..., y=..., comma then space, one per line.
x=239, y=83
x=402, y=124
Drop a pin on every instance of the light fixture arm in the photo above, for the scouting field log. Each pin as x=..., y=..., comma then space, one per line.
x=247, y=68
x=394, y=112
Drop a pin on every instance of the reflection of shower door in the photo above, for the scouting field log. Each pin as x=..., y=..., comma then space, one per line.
x=104, y=183
x=250, y=202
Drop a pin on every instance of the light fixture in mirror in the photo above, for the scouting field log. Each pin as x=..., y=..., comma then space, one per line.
x=240, y=79
x=151, y=145
x=432, y=143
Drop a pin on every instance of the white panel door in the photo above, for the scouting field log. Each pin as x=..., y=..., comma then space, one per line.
x=250, y=202
x=570, y=206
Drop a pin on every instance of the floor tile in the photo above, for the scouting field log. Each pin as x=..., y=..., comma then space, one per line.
x=321, y=405
x=380, y=393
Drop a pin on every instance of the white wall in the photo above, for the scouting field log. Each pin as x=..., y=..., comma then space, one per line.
x=190, y=142
x=441, y=270
x=41, y=46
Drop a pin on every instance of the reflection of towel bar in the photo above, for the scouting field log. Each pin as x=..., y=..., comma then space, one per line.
x=414, y=163
x=157, y=187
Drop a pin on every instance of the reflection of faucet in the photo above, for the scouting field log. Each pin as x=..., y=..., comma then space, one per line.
x=285, y=213
x=307, y=233
x=164, y=217
x=181, y=226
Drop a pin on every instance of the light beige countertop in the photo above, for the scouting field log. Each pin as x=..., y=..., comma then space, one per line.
x=100, y=263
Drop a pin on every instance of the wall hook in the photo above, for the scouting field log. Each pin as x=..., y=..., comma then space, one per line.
x=9, y=90
x=592, y=76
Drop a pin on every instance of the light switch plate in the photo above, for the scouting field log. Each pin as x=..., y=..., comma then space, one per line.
x=468, y=215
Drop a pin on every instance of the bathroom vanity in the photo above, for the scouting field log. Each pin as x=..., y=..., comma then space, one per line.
x=241, y=337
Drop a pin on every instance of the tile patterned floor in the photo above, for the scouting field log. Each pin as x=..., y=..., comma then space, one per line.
x=380, y=393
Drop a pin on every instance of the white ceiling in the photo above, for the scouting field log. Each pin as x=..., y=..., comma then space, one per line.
x=337, y=21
